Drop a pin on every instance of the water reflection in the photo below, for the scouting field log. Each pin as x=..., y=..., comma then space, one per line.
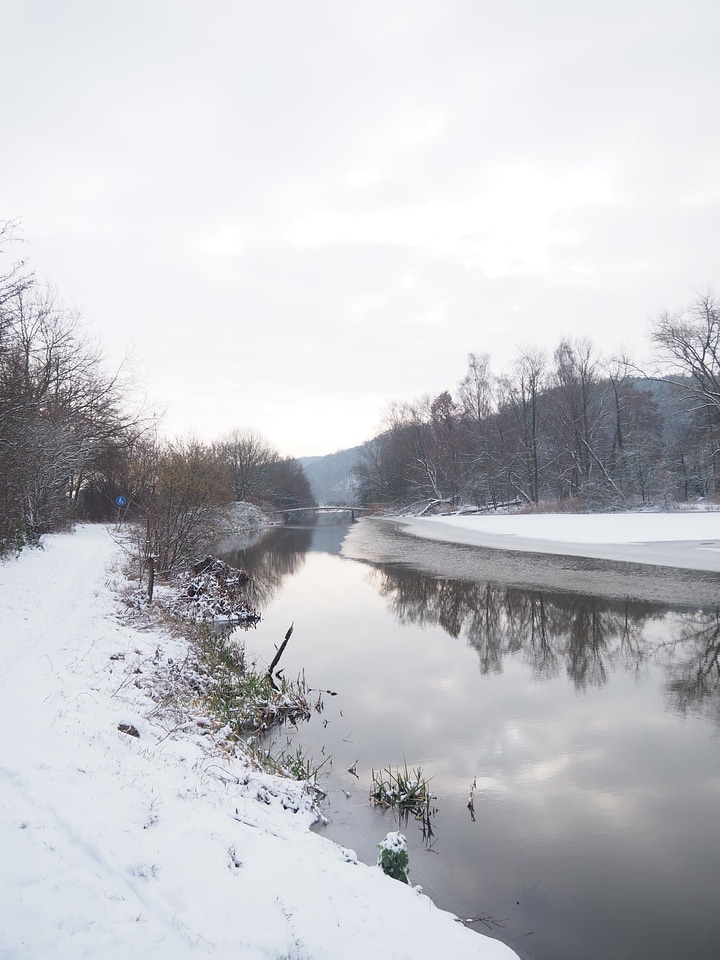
x=269, y=557
x=387, y=543
x=694, y=674
x=584, y=634
x=587, y=637
x=596, y=787
x=276, y=553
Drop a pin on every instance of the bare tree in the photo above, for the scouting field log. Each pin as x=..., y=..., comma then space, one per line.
x=521, y=396
x=179, y=490
x=579, y=416
x=16, y=277
x=476, y=399
x=249, y=457
x=636, y=455
x=58, y=409
x=288, y=485
x=475, y=389
x=689, y=349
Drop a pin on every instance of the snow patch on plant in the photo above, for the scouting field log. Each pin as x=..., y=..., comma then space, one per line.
x=393, y=857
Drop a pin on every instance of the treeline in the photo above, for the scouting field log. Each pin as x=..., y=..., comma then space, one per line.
x=178, y=491
x=571, y=428
x=71, y=441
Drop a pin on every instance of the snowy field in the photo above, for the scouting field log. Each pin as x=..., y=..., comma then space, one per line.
x=121, y=846
x=688, y=540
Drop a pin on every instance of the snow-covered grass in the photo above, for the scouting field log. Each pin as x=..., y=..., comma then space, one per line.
x=399, y=787
x=128, y=830
x=689, y=539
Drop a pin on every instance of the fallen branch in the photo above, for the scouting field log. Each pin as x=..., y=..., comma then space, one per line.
x=488, y=921
x=280, y=652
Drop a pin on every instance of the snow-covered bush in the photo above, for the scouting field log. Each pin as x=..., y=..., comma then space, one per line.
x=216, y=592
x=393, y=857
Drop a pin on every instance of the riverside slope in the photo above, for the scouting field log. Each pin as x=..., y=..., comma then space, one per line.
x=160, y=846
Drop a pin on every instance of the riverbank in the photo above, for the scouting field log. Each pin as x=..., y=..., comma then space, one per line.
x=128, y=831
x=689, y=541
x=586, y=721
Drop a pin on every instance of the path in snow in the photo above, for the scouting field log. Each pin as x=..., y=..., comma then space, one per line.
x=159, y=846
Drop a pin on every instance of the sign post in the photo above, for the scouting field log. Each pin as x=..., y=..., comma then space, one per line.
x=120, y=502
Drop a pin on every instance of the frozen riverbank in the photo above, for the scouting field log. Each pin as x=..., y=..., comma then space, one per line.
x=122, y=846
x=689, y=541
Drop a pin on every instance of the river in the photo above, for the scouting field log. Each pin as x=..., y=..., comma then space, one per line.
x=584, y=723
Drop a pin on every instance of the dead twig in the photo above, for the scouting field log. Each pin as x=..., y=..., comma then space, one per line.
x=280, y=652
x=471, y=800
x=488, y=921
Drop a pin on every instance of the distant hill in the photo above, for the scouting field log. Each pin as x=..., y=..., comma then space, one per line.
x=331, y=477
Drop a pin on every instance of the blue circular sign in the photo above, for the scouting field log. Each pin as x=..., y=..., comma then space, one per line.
x=121, y=500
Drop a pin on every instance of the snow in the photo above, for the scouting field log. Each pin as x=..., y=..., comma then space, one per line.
x=689, y=540
x=160, y=845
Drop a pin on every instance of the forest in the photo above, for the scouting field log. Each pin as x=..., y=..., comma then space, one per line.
x=569, y=430
x=74, y=438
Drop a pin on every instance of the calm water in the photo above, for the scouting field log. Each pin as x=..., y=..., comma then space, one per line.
x=588, y=720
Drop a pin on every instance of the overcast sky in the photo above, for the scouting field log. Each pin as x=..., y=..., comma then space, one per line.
x=297, y=211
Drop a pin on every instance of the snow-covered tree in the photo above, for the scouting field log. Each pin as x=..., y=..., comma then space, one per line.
x=59, y=409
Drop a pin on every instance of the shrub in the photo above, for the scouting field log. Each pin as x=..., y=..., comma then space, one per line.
x=393, y=857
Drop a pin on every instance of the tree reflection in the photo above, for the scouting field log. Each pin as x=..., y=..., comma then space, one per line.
x=694, y=678
x=541, y=652
x=278, y=554
x=587, y=636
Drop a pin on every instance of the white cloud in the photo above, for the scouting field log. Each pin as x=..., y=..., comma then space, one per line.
x=293, y=180
x=224, y=241
x=508, y=227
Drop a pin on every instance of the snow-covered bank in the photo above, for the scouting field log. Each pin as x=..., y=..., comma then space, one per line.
x=687, y=540
x=122, y=846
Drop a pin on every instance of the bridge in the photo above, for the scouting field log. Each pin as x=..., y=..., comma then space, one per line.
x=353, y=510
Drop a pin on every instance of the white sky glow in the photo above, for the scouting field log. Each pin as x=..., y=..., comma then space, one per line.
x=296, y=213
